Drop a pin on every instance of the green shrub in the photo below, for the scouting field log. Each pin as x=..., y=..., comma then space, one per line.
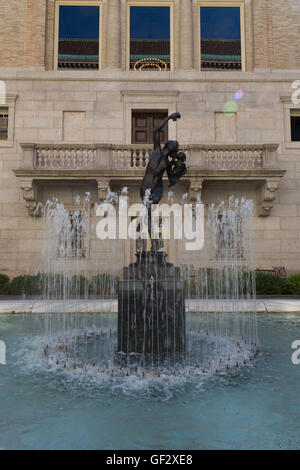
x=293, y=284
x=25, y=285
x=104, y=285
x=3, y=282
x=268, y=284
x=79, y=286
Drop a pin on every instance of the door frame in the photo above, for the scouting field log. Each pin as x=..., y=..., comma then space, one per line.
x=147, y=111
x=148, y=99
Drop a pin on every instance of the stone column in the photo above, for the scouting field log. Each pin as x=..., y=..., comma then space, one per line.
x=186, y=35
x=124, y=43
x=113, y=51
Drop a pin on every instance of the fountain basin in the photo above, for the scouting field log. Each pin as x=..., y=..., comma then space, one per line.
x=253, y=407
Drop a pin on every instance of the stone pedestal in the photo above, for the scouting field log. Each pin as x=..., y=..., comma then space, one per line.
x=151, y=308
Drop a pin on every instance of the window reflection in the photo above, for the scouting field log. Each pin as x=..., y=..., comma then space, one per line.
x=149, y=38
x=78, y=39
x=220, y=38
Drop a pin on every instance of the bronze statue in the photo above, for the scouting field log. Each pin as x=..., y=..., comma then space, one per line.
x=168, y=159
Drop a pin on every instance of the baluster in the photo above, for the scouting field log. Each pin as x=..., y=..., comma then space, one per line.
x=145, y=157
x=67, y=157
x=135, y=159
x=261, y=160
x=240, y=159
x=249, y=158
x=114, y=159
x=231, y=156
x=37, y=158
x=124, y=158
x=220, y=159
x=128, y=158
x=243, y=158
x=91, y=158
x=234, y=158
x=209, y=157
x=42, y=157
x=225, y=160
x=61, y=158
x=48, y=157
x=121, y=158
x=72, y=159
x=252, y=162
x=88, y=157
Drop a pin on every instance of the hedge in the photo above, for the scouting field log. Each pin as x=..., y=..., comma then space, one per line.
x=106, y=285
x=58, y=286
x=293, y=284
x=3, y=282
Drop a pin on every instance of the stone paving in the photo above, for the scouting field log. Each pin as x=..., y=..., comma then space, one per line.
x=110, y=306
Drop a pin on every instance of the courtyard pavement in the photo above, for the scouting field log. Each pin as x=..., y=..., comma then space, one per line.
x=111, y=306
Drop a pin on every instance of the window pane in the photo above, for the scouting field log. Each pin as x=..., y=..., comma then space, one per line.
x=3, y=123
x=220, y=38
x=295, y=126
x=149, y=38
x=78, y=39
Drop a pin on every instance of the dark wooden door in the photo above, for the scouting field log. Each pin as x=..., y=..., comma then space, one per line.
x=143, y=123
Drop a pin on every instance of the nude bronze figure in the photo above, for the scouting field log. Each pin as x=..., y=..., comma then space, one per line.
x=169, y=160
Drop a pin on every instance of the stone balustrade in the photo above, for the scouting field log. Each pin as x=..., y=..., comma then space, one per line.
x=133, y=156
x=107, y=164
x=64, y=157
x=130, y=156
x=233, y=158
x=107, y=156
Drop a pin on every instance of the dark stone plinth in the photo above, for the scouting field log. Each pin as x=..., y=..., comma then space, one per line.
x=151, y=307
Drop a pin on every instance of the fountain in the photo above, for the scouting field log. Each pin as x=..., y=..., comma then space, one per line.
x=156, y=336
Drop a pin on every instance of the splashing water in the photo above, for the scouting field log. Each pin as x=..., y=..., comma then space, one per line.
x=218, y=339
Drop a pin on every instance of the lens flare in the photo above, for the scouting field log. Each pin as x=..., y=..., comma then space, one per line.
x=230, y=108
x=239, y=94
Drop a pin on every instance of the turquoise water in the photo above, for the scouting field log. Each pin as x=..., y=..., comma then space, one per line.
x=256, y=407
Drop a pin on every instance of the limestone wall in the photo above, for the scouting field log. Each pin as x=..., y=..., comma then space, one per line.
x=43, y=99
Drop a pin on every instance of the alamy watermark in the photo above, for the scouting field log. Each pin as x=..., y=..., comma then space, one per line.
x=296, y=93
x=296, y=354
x=2, y=353
x=2, y=92
x=132, y=222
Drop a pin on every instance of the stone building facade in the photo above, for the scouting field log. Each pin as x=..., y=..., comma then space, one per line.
x=68, y=131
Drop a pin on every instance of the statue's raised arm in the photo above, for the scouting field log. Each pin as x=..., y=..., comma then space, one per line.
x=156, y=130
